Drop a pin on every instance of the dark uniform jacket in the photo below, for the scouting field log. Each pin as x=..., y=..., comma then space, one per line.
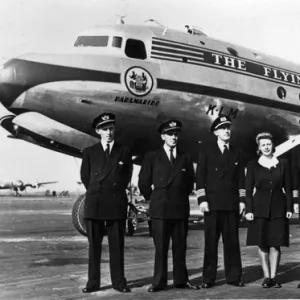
x=220, y=184
x=106, y=181
x=269, y=199
x=295, y=172
x=169, y=198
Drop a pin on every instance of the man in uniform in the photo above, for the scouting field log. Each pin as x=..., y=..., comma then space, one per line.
x=295, y=170
x=220, y=184
x=105, y=172
x=171, y=174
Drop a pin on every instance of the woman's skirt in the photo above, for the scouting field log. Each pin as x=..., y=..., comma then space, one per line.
x=265, y=232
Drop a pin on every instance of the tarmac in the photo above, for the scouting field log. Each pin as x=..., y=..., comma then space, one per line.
x=43, y=257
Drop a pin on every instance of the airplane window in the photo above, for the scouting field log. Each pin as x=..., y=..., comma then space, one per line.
x=202, y=43
x=91, y=41
x=135, y=49
x=117, y=42
x=232, y=51
x=281, y=92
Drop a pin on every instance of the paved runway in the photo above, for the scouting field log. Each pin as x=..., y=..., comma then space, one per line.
x=43, y=257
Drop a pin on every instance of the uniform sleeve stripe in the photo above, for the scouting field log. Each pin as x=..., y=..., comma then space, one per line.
x=200, y=193
x=295, y=193
x=242, y=192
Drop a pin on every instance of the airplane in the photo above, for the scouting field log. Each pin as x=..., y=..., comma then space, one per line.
x=19, y=185
x=146, y=74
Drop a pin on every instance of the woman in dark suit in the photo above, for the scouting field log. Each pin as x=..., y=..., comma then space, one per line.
x=268, y=207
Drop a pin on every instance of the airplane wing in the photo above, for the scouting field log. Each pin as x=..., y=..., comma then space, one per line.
x=39, y=184
x=44, y=183
x=287, y=145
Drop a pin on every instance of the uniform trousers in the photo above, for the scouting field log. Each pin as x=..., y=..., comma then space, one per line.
x=227, y=224
x=162, y=231
x=115, y=234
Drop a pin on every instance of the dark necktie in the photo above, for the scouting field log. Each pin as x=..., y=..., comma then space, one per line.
x=225, y=155
x=172, y=158
x=226, y=151
x=107, y=151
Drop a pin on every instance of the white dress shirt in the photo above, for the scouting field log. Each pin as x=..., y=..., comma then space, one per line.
x=167, y=149
x=104, y=145
x=221, y=145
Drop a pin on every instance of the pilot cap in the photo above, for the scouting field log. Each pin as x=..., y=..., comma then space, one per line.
x=219, y=121
x=103, y=120
x=171, y=125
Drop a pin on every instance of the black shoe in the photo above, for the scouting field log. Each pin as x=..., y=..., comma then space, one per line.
x=239, y=283
x=266, y=283
x=274, y=283
x=187, y=285
x=207, y=285
x=90, y=290
x=299, y=286
x=124, y=289
x=155, y=288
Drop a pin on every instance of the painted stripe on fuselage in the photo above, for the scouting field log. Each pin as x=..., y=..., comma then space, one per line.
x=179, y=45
x=172, y=51
x=40, y=73
x=30, y=73
x=197, y=62
x=178, y=86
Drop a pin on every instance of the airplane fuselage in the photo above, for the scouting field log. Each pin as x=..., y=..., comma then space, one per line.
x=146, y=75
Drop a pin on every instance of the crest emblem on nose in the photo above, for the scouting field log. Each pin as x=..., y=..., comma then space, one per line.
x=138, y=81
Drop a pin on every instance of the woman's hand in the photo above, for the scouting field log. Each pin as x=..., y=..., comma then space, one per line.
x=249, y=217
x=289, y=214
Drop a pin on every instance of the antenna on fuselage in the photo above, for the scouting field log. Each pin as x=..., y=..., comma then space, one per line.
x=120, y=19
x=122, y=9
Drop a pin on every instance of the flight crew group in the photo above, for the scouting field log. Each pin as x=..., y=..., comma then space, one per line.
x=167, y=179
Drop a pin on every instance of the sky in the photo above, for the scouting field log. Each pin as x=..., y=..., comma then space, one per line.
x=270, y=26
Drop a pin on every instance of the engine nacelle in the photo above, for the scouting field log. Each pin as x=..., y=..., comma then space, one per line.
x=43, y=131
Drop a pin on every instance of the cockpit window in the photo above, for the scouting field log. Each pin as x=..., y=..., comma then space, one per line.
x=135, y=49
x=117, y=42
x=91, y=41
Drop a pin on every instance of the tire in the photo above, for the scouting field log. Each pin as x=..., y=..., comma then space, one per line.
x=130, y=228
x=132, y=221
x=77, y=215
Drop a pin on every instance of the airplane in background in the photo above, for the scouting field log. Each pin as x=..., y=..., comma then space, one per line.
x=19, y=185
x=146, y=74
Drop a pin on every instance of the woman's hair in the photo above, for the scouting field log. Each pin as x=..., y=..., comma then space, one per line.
x=264, y=135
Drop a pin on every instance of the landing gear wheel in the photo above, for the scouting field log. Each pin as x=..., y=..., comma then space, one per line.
x=77, y=215
x=130, y=228
x=132, y=221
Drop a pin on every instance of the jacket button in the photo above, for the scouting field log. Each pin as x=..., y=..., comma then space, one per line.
x=96, y=173
x=114, y=183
